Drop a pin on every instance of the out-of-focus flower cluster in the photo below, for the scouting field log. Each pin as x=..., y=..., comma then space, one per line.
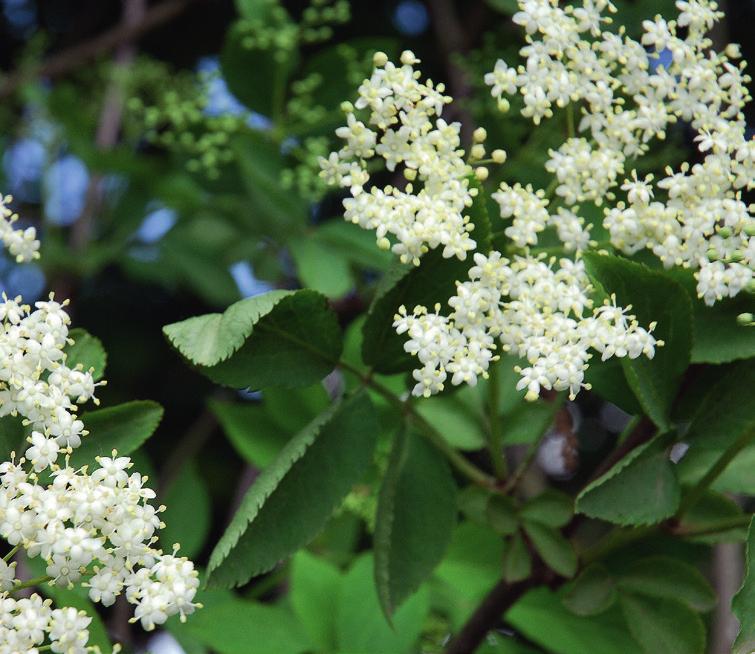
x=21, y=243
x=429, y=211
x=628, y=95
x=92, y=525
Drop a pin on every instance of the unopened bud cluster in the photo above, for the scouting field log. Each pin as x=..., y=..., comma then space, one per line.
x=91, y=526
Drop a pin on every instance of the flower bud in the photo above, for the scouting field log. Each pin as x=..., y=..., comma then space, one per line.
x=380, y=59
x=499, y=156
x=481, y=173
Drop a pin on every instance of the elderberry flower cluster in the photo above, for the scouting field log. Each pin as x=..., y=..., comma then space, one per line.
x=27, y=622
x=93, y=526
x=694, y=217
x=541, y=310
x=21, y=243
x=408, y=131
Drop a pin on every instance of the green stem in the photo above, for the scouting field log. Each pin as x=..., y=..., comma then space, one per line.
x=715, y=527
x=714, y=473
x=613, y=540
x=465, y=467
x=630, y=427
x=570, y=129
x=31, y=582
x=12, y=553
x=496, y=431
x=514, y=479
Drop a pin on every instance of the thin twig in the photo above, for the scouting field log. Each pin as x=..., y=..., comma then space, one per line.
x=643, y=432
x=193, y=440
x=488, y=614
x=465, y=467
x=71, y=58
x=453, y=41
x=728, y=455
x=109, y=124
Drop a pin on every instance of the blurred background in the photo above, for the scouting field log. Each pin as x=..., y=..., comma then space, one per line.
x=166, y=152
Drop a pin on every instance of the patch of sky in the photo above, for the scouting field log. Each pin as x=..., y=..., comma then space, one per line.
x=23, y=164
x=21, y=15
x=411, y=17
x=220, y=100
x=157, y=223
x=64, y=188
x=248, y=285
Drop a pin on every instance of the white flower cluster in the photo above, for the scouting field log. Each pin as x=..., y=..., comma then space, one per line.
x=408, y=132
x=27, y=622
x=536, y=310
x=97, y=525
x=539, y=309
x=21, y=243
x=626, y=98
x=529, y=212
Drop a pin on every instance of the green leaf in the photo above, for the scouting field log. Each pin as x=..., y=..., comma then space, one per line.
x=726, y=410
x=472, y=566
x=254, y=8
x=508, y=7
x=360, y=625
x=517, y=564
x=591, y=593
x=433, y=281
x=251, y=431
x=663, y=626
x=640, y=489
x=295, y=343
x=12, y=434
x=527, y=421
x=743, y=604
x=718, y=336
x=257, y=77
x=227, y=628
x=315, y=586
x=354, y=243
x=209, y=339
x=333, y=279
x=188, y=514
x=275, y=211
x=609, y=382
x=457, y=424
x=709, y=510
x=553, y=548
x=551, y=508
x=543, y=619
x=306, y=483
x=654, y=297
x=665, y=577
x=722, y=411
x=258, y=431
x=736, y=478
x=123, y=427
x=501, y=514
x=415, y=519
x=86, y=350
